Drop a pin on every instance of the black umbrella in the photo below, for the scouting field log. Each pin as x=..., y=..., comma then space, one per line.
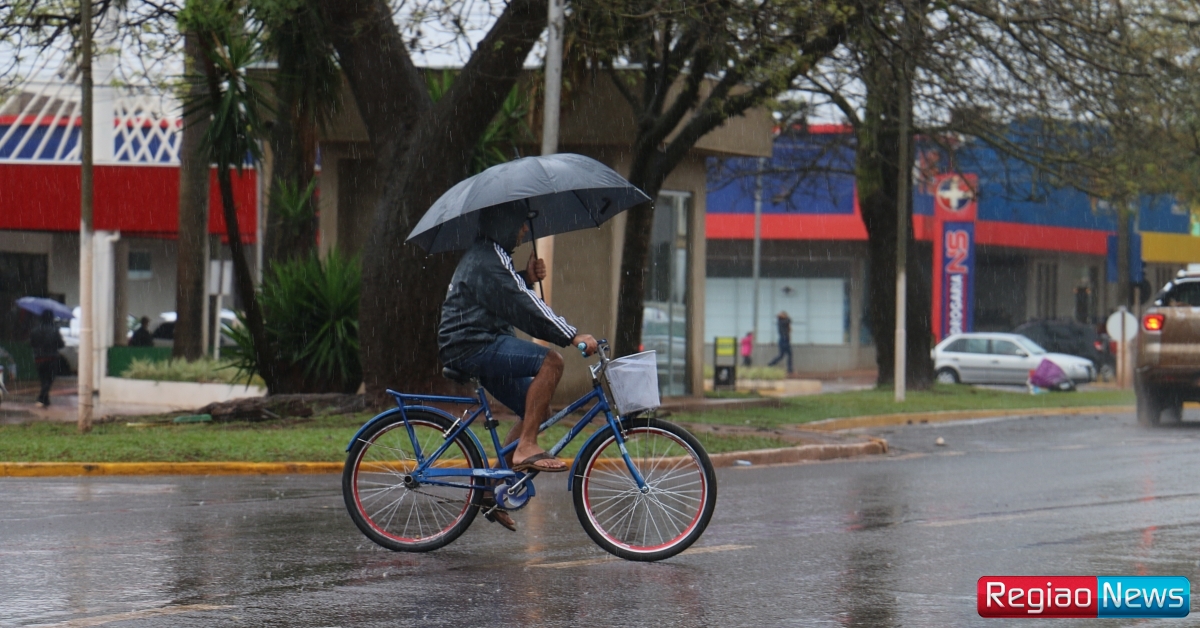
x=565, y=192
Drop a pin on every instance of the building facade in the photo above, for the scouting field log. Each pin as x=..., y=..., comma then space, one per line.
x=1038, y=252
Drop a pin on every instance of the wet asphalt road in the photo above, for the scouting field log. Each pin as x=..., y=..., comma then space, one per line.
x=883, y=541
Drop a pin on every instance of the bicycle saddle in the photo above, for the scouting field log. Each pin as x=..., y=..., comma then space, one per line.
x=456, y=376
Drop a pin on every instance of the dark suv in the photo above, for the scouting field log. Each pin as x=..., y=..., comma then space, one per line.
x=1168, y=358
x=1072, y=338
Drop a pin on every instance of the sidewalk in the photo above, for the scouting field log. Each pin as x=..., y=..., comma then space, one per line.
x=20, y=405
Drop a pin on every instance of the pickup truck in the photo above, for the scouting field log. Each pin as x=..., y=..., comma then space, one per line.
x=1168, y=357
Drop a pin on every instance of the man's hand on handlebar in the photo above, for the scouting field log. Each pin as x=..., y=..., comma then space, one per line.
x=589, y=344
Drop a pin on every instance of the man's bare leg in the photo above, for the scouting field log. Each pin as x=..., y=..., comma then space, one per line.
x=537, y=408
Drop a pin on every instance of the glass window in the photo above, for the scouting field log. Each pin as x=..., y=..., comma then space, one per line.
x=977, y=345
x=958, y=346
x=1031, y=347
x=139, y=265
x=1184, y=294
x=1005, y=347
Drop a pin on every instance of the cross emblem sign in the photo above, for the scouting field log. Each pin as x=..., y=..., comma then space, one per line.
x=954, y=194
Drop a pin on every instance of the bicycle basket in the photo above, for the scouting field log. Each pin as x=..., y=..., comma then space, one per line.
x=633, y=382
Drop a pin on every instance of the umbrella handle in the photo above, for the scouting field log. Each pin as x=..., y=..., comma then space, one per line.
x=533, y=241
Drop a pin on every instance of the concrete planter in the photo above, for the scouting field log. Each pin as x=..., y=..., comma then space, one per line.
x=178, y=395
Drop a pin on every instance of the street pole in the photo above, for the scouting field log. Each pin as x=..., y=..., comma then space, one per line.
x=904, y=197
x=86, y=245
x=550, y=119
x=758, y=187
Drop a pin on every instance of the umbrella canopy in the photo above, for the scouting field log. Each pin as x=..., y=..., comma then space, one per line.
x=565, y=192
x=37, y=305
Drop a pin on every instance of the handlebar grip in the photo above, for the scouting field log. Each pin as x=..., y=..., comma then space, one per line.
x=582, y=348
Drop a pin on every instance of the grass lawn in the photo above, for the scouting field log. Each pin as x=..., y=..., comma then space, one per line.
x=311, y=440
x=868, y=402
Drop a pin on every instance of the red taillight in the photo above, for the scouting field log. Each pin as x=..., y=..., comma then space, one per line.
x=1112, y=347
x=1153, y=322
x=1099, y=345
x=641, y=348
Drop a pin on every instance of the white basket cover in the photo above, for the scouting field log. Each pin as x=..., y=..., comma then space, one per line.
x=633, y=382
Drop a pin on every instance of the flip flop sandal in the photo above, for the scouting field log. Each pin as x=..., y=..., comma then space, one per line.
x=530, y=464
x=490, y=512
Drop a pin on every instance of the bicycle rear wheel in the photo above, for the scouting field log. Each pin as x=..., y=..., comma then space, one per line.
x=409, y=518
x=681, y=490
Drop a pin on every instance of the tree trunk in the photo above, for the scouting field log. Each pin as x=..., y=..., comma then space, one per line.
x=876, y=178
x=421, y=150
x=290, y=235
x=190, y=291
x=635, y=252
x=264, y=354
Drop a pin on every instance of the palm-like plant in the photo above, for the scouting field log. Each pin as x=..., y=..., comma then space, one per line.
x=233, y=101
x=312, y=312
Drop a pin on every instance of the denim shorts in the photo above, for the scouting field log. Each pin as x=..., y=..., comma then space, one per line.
x=506, y=369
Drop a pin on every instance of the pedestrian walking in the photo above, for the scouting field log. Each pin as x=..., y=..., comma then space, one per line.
x=45, y=341
x=785, y=340
x=747, y=347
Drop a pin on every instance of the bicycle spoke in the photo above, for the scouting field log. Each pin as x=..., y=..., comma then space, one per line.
x=673, y=498
x=417, y=513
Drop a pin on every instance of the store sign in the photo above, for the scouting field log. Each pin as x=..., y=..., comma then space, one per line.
x=954, y=210
x=958, y=274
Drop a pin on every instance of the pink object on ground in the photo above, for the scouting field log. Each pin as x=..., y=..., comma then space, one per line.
x=1048, y=375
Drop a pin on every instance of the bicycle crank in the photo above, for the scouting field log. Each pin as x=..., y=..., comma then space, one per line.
x=514, y=497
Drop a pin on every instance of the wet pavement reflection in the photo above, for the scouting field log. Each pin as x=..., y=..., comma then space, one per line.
x=884, y=541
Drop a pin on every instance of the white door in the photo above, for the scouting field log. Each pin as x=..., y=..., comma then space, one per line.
x=1009, y=363
x=974, y=360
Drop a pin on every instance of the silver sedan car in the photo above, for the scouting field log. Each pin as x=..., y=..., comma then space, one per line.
x=994, y=358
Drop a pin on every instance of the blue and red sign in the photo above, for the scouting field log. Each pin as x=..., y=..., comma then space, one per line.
x=1083, y=596
x=958, y=277
x=954, y=212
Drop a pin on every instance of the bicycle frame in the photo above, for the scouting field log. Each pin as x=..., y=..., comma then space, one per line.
x=426, y=474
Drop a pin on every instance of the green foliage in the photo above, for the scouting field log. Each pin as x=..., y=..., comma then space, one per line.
x=307, y=74
x=202, y=371
x=291, y=205
x=310, y=309
x=798, y=410
x=500, y=141
x=319, y=439
x=233, y=99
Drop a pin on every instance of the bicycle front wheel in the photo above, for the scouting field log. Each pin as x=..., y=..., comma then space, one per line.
x=409, y=517
x=663, y=520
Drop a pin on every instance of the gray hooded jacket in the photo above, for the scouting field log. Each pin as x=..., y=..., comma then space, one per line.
x=487, y=297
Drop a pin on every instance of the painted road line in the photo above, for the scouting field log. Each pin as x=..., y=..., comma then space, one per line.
x=100, y=620
x=67, y=469
x=612, y=559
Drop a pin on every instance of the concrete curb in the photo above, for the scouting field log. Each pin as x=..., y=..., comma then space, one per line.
x=801, y=453
x=885, y=420
x=61, y=469
x=783, y=455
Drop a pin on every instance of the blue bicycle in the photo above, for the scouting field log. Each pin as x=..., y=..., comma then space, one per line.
x=416, y=476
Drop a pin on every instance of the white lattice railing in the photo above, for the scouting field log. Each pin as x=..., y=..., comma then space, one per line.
x=40, y=121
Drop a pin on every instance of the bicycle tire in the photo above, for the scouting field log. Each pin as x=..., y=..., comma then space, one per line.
x=645, y=526
x=374, y=491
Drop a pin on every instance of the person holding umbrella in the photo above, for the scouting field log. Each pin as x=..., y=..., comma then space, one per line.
x=490, y=214
x=45, y=341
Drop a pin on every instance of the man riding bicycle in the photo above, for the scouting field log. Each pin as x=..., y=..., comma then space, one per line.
x=486, y=299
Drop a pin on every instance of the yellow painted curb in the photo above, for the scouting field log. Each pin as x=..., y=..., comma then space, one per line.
x=884, y=420
x=59, y=469
x=783, y=455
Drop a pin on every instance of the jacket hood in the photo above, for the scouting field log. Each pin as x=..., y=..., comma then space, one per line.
x=501, y=223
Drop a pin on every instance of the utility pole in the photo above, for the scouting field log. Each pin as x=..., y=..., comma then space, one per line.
x=903, y=200
x=86, y=245
x=550, y=118
x=757, y=271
